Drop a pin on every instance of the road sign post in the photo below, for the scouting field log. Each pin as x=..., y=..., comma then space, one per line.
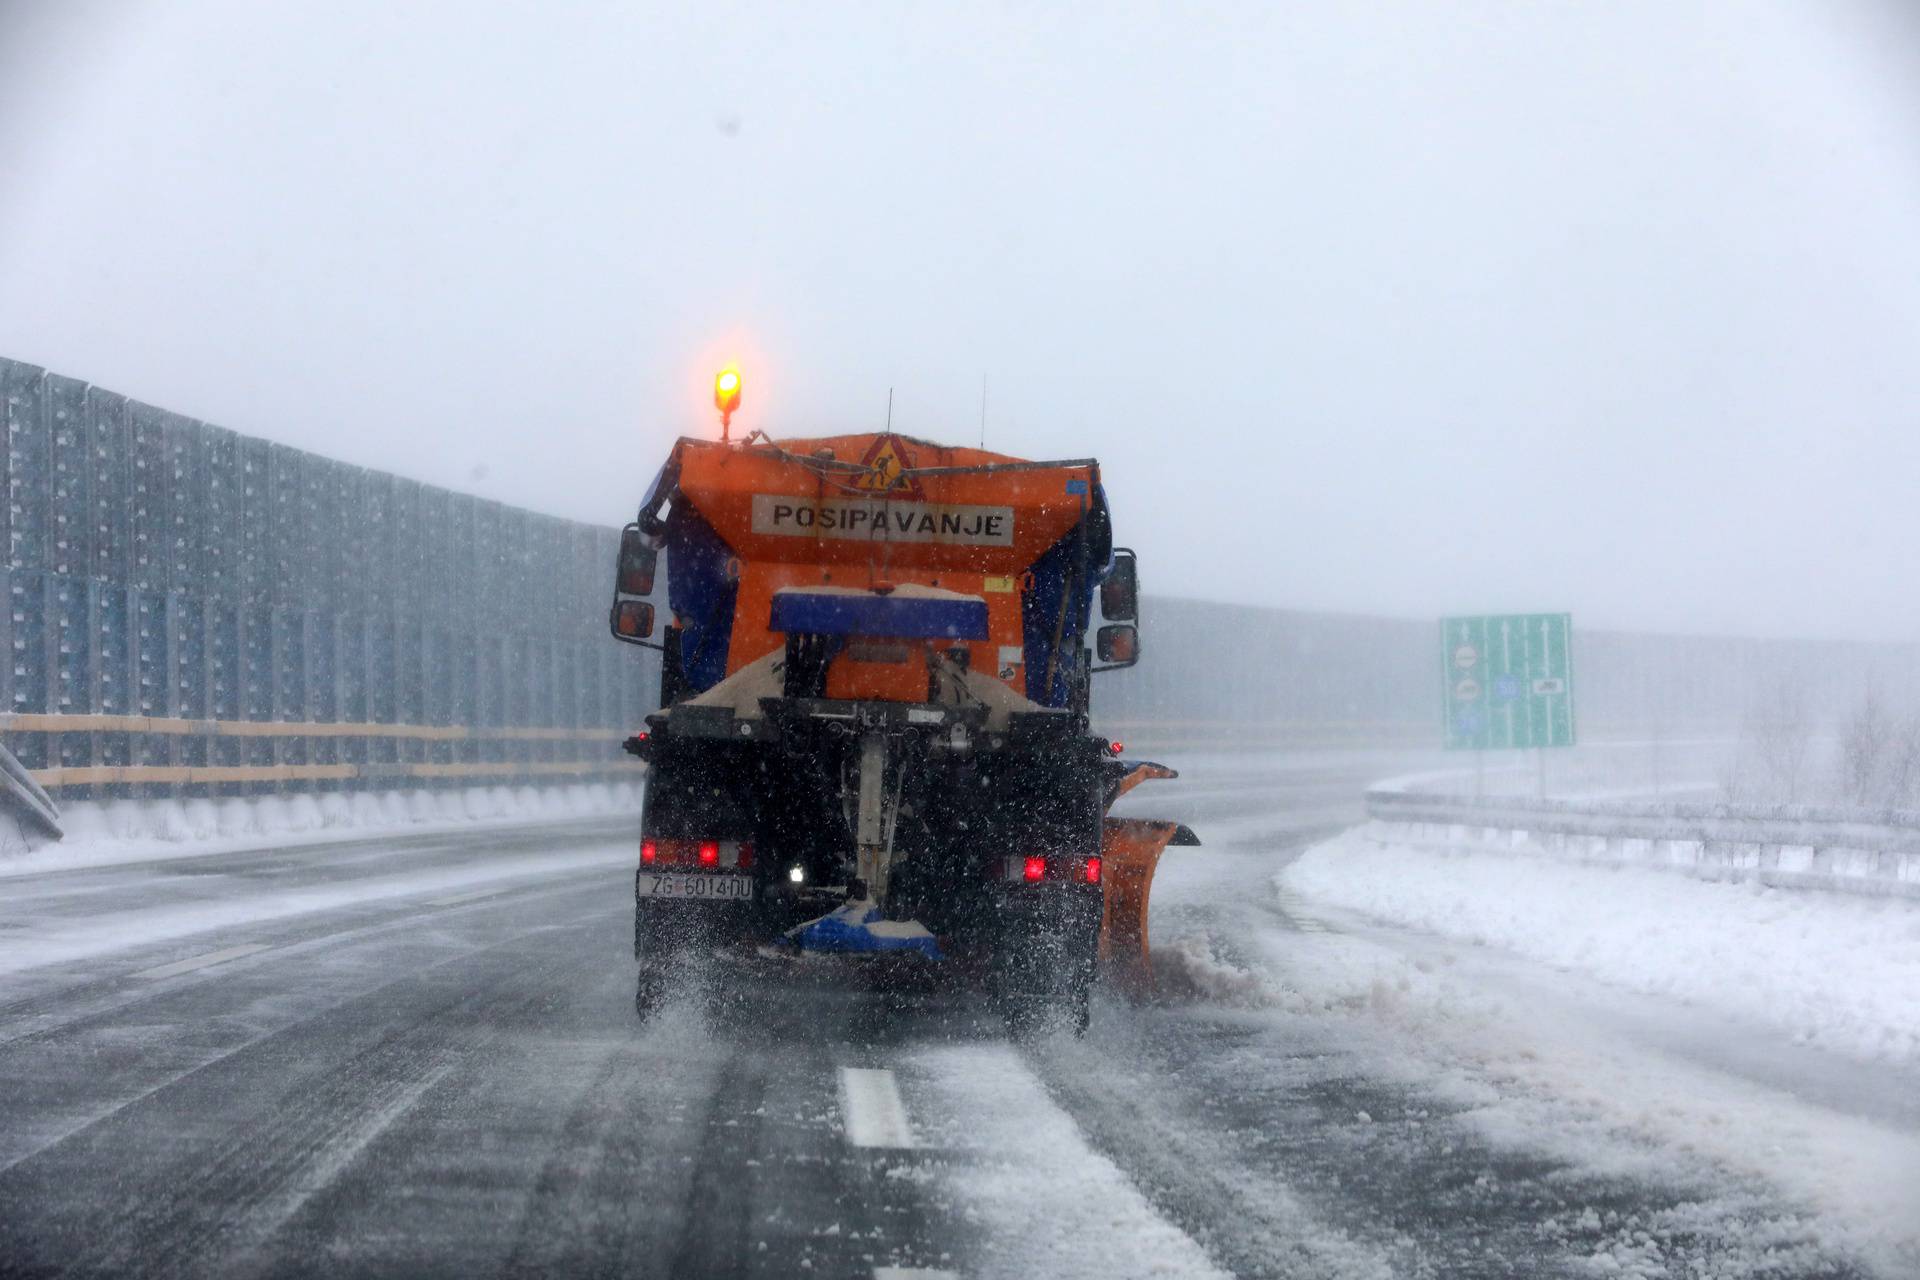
x=1508, y=682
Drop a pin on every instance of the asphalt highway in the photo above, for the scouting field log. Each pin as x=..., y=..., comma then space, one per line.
x=419, y=1056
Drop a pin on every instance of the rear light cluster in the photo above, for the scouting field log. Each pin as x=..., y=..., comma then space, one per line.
x=668, y=851
x=1032, y=869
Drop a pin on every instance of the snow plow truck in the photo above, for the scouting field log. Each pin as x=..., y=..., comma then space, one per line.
x=873, y=737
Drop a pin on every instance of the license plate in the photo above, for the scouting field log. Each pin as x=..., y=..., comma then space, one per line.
x=669, y=884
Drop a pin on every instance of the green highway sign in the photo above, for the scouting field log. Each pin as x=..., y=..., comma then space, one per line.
x=1508, y=681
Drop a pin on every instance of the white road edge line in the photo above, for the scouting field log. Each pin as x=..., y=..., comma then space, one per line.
x=206, y=961
x=913, y=1273
x=870, y=1103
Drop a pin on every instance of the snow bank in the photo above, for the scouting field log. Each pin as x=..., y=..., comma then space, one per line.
x=1839, y=973
x=101, y=833
x=1540, y=1061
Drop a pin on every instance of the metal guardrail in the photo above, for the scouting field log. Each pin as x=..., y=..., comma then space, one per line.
x=1798, y=846
x=396, y=771
x=22, y=797
x=1279, y=734
x=192, y=611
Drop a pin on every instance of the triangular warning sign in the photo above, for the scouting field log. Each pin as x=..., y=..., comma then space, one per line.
x=886, y=466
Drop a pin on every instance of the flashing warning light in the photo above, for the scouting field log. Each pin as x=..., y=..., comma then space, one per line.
x=1091, y=872
x=649, y=850
x=709, y=853
x=726, y=396
x=1035, y=869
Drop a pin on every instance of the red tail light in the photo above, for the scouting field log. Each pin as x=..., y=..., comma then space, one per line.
x=1116, y=747
x=1035, y=869
x=1091, y=871
x=677, y=851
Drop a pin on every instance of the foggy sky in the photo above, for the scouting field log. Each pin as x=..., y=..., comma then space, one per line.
x=1402, y=309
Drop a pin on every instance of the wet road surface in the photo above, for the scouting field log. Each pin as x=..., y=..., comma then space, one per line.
x=419, y=1056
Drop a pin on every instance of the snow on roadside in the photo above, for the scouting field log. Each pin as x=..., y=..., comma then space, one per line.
x=1838, y=972
x=62, y=940
x=1543, y=1060
x=1052, y=1205
x=1542, y=1069
x=105, y=833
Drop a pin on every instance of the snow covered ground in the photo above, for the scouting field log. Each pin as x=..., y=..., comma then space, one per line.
x=1831, y=970
x=1627, y=1018
x=104, y=833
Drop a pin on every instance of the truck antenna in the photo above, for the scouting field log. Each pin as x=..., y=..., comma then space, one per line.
x=983, y=411
x=889, y=410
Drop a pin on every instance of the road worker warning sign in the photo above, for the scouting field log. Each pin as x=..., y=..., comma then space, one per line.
x=883, y=521
x=886, y=466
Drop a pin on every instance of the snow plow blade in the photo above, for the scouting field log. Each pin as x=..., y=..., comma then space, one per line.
x=1130, y=849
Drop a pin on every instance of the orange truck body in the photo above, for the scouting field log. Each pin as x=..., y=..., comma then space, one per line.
x=775, y=545
x=879, y=520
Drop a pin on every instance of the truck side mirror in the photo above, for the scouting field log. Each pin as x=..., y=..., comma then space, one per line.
x=638, y=559
x=632, y=620
x=1118, y=645
x=1120, y=590
x=632, y=617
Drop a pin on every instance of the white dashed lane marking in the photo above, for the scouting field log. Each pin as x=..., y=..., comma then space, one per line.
x=206, y=961
x=913, y=1273
x=870, y=1103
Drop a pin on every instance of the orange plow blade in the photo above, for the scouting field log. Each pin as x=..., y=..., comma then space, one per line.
x=1130, y=849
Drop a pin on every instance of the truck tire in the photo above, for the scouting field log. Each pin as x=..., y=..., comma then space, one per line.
x=649, y=992
x=1030, y=1017
x=1043, y=974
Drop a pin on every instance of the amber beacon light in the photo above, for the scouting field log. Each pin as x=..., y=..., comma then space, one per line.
x=726, y=397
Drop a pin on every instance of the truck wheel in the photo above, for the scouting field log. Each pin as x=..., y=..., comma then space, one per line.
x=1025, y=1017
x=1080, y=1005
x=1033, y=1015
x=649, y=991
x=1043, y=973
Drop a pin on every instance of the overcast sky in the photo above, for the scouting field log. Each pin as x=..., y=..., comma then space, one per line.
x=1403, y=309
